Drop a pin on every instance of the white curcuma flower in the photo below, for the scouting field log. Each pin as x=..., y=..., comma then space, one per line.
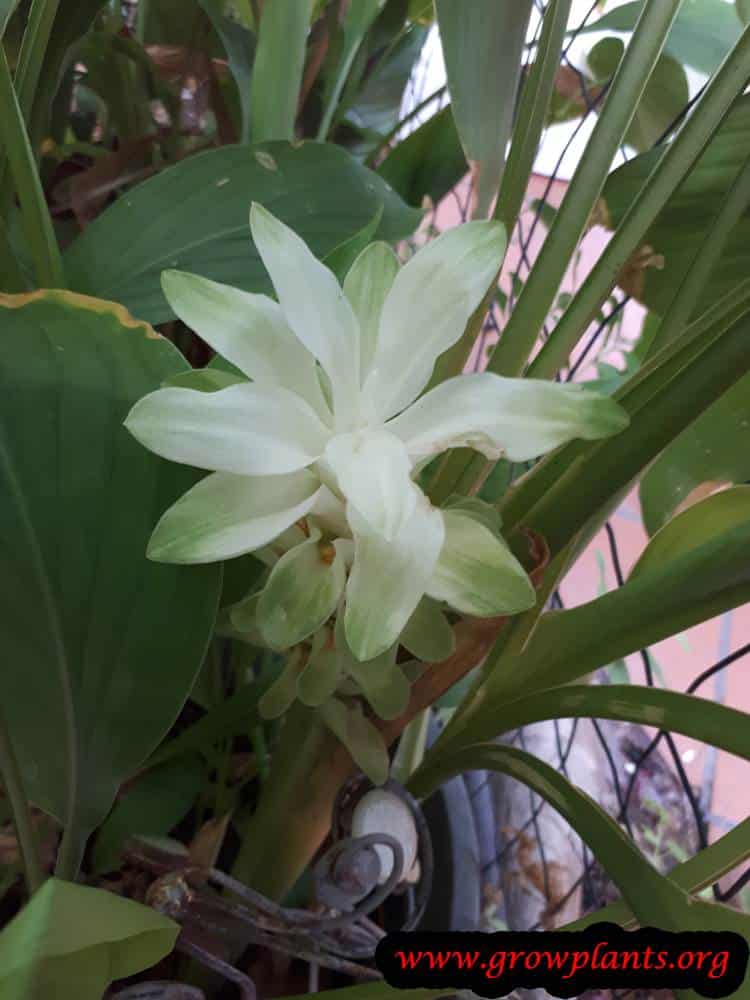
x=332, y=429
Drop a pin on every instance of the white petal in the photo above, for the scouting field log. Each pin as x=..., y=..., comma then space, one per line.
x=477, y=573
x=373, y=472
x=330, y=513
x=254, y=430
x=520, y=418
x=367, y=285
x=248, y=330
x=388, y=579
x=315, y=307
x=427, y=309
x=225, y=515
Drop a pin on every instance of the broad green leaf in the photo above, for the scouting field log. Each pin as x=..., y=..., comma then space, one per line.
x=708, y=453
x=652, y=898
x=703, y=33
x=428, y=163
x=70, y=942
x=680, y=229
x=701, y=524
x=482, y=46
x=240, y=49
x=277, y=72
x=317, y=189
x=96, y=669
x=664, y=98
x=151, y=806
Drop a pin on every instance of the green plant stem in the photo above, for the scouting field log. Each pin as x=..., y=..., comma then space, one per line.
x=293, y=812
x=36, y=218
x=13, y=784
x=535, y=302
x=687, y=296
x=679, y=157
x=532, y=114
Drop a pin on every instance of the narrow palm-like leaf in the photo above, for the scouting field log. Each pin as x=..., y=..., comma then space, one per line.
x=678, y=159
x=698, y=718
x=482, y=45
x=706, y=867
x=627, y=87
x=277, y=70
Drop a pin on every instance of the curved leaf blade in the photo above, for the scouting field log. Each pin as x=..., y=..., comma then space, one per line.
x=194, y=216
x=277, y=71
x=702, y=35
x=680, y=229
x=703, y=456
x=698, y=718
x=482, y=46
x=88, y=621
x=72, y=941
